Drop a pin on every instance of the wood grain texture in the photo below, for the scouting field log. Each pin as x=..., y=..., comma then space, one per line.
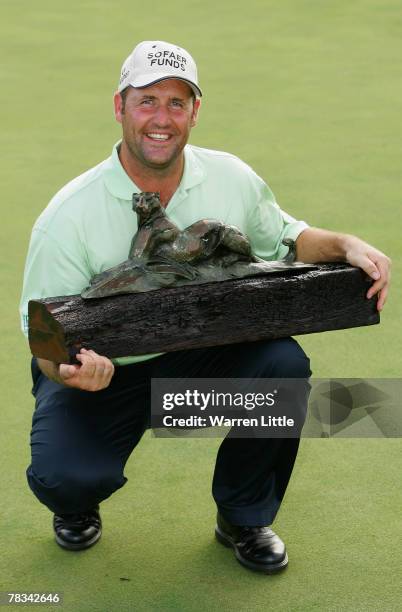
x=171, y=319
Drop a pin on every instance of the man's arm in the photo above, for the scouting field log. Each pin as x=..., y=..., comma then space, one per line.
x=315, y=245
x=93, y=374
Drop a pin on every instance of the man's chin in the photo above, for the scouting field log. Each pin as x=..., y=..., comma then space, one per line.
x=160, y=162
x=155, y=160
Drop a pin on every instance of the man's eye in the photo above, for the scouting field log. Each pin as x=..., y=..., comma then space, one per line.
x=146, y=102
x=177, y=104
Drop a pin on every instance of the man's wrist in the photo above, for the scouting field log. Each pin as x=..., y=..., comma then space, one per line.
x=348, y=243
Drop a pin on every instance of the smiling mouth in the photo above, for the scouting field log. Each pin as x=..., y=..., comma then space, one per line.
x=157, y=137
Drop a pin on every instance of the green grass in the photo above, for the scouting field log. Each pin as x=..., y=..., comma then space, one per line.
x=308, y=92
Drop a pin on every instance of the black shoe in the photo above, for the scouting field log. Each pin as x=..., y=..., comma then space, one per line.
x=77, y=531
x=257, y=548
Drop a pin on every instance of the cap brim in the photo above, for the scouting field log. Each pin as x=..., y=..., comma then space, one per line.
x=140, y=85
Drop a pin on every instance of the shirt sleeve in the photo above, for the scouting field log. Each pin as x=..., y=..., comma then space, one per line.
x=52, y=269
x=268, y=225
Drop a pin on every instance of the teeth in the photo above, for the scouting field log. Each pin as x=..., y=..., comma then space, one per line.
x=158, y=136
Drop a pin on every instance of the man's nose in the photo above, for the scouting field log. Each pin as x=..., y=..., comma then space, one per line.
x=162, y=116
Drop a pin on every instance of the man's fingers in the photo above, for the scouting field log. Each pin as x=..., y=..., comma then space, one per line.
x=95, y=371
x=99, y=369
x=382, y=298
x=68, y=371
x=100, y=366
x=370, y=268
x=375, y=288
x=384, y=265
x=377, y=266
x=108, y=369
x=382, y=284
x=88, y=364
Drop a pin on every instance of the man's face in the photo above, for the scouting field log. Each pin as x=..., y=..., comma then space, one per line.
x=157, y=121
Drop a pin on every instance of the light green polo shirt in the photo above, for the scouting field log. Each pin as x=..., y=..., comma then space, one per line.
x=89, y=224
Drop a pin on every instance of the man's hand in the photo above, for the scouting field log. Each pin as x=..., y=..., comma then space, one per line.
x=315, y=245
x=374, y=263
x=93, y=374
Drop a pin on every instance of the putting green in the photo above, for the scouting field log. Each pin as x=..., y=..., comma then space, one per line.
x=308, y=92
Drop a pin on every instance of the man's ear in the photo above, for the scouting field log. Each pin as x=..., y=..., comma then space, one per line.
x=196, y=108
x=118, y=106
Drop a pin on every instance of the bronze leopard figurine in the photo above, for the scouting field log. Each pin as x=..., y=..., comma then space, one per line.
x=162, y=255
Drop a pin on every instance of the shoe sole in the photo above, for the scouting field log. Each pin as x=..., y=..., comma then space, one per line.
x=83, y=546
x=227, y=541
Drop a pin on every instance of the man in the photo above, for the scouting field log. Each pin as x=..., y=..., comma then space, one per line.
x=89, y=417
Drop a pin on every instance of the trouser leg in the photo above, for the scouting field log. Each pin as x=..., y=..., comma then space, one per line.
x=80, y=441
x=251, y=474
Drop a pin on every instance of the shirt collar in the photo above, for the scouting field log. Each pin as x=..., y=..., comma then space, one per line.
x=117, y=181
x=120, y=185
x=193, y=172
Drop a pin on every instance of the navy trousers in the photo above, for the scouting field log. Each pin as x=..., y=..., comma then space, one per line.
x=81, y=440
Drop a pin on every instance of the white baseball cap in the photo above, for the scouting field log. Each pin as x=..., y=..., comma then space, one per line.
x=155, y=60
